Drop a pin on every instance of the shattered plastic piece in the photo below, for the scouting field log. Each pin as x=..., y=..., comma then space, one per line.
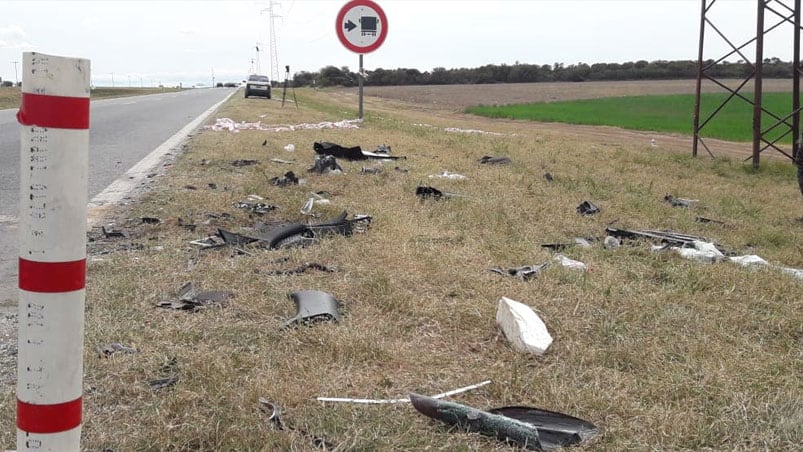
x=325, y=164
x=587, y=208
x=548, y=177
x=666, y=237
x=701, y=251
x=749, y=260
x=259, y=208
x=554, y=429
x=190, y=187
x=709, y=220
x=679, y=202
x=447, y=175
x=473, y=420
x=108, y=350
x=525, y=272
x=489, y=160
x=290, y=147
x=432, y=192
x=382, y=149
x=244, y=162
x=151, y=220
x=265, y=143
x=312, y=306
x=611, y=242
x=234, y=239
x=189, y=300
x=289, y=178
x=212, y=241
x=571, y=264
x=797, y=273
x=352, y=153
x=212, y=185
x=556, y=246
x=582, y=242
x=113, y=233
x=287, y=162
x=405, y=400
x=522, y=327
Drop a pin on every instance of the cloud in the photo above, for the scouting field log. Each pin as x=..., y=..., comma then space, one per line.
x=14, y=37
x=189, y=31
x=90, y=22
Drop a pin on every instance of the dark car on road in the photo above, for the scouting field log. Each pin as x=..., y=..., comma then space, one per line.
x=257, y=85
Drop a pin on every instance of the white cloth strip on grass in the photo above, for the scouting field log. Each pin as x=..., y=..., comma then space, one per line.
x=404, y=400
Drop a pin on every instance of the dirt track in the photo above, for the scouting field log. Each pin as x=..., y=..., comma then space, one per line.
x=448, y=101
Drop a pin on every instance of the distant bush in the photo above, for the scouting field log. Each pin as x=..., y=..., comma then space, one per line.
x=8, y=84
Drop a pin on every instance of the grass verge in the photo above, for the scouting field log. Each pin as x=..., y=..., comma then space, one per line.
x=673, y=113
x=660, y=352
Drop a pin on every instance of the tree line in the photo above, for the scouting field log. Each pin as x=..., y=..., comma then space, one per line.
x=528, y=73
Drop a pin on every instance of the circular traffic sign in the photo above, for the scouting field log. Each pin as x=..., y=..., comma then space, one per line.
x=361, y=26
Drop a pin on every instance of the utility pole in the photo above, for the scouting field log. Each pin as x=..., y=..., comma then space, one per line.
x=274, y=58
x=16, y=77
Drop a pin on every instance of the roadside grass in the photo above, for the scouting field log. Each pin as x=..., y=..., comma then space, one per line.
x=661, y=353
x=670, y=113
x=10, y=96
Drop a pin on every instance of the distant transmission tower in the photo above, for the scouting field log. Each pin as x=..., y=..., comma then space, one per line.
x=274, y=58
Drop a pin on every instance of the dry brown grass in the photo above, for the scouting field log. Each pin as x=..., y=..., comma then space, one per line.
x=660, y=352
x=9, y=97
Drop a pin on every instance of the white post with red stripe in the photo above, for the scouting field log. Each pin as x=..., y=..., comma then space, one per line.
x=54, y=153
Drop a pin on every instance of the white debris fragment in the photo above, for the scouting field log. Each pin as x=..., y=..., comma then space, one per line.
x=797, y=273
x=447, y=175
x=704, y=252
x=227, y=124
x=472, y=131
x=581, y=242
x=290, y=147
x=522, y=327
x=749, y=260
x=611, y=242
x=570, y=263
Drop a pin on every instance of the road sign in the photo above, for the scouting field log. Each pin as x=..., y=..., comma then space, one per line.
x=361, y=26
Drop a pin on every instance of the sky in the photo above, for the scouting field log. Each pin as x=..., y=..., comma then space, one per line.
x=151, y=42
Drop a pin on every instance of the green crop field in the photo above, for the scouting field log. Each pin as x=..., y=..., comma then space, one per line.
x=673, y=113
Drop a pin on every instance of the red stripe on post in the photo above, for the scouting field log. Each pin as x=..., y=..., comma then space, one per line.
x=54, y=111
x=52, y=277
x=55, y=418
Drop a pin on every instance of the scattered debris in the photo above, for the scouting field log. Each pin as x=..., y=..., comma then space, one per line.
x=709, y=220
x=150, y=220
x=352, y=153
x=289, y=178
x=302, y=269
x=554, y=429
x=582, y=242
x=522, y=327
x=110, y=232
x=611, y=242
x=664, y=237
x=240, y=163
x=447, y=175
x=190, y=300
x=258, y=208
x=404, y=400
x=548, y=177
x=287, y=235
x=705, y=252
x=425, y=192
x=226, y=124
x=472, y=131
x=290, y=147
x=107, y=350
x=525, y=272
x=571, y=264
x=314, y=198
x=679, y=202
x=313, y=306
x=265, y=143
x=371, y=170
x=490, y=160
x=212, y=185
x=473, y=420
x=325, y=164
x=382, y=149
x=213, y=241
x=286, y=162
x=587, y=208
x=190, y=187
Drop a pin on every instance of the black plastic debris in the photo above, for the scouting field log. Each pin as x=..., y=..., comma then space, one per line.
x=490, y=160
x=325, y=164
x=668, y=238
x=525, y=272
x=111, y=232
x=289, y=235
x=548, y=177
x=427, y=192
x=244, y=162
x=190, y=300
x=265, y=143
x=190, y=187
x=587, y=208
x=107, y=350
x=554, y=429
x=169, y=370
x=234, y=239
x=212, y=186
x=289, y=178
x=710, y=220
x=679, y=202
x=258, y=208
x=313, y=306
x=352, y=153
x=150, y=220
x=213, y=241
x=302, y=269
x=401, y=170
x=275, y=415
x=382, y=149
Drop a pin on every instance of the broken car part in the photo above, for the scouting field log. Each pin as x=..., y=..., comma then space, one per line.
x=244, y=162
x=489, y=160
x=554, y=429
x=571, y=264
x=522, y=327
x=312, y=306
x=289, y=178
x=190, y=300
x=587, y=208
x=473, y=420
x=352, y=153
x=325, y=164
x=679, y=202
x=426, y=192
x=525, y=272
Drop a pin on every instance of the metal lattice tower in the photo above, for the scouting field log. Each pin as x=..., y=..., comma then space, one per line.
x=781, y=13
x=274, y=58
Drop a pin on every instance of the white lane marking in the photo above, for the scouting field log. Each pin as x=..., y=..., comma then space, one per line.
x=138, y=173
x=8, y=219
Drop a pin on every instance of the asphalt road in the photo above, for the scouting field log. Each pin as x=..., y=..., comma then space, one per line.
x=122, y=132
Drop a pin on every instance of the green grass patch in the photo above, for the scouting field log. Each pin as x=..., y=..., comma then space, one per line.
x=672, y=113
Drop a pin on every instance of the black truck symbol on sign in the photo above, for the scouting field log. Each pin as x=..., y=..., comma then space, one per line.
x=368, y=25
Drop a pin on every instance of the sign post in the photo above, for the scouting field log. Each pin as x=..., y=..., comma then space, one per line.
x=361, y=26
x=54, y=152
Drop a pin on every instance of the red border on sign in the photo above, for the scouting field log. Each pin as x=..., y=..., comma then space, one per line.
x=339, y=26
